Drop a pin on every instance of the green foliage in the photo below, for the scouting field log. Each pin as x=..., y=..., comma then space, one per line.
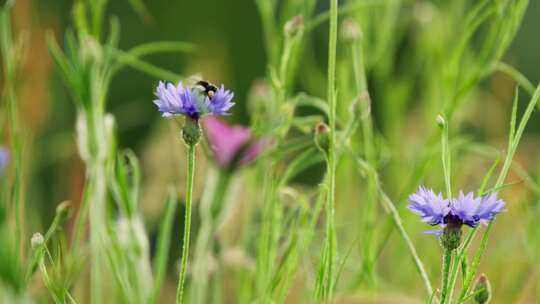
x=352, y=120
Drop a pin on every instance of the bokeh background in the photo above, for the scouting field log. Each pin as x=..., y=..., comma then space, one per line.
x=230, y=50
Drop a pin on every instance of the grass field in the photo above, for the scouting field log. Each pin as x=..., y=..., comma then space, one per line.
x=269, y=151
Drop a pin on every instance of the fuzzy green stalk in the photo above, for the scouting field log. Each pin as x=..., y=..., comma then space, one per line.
x=447, y=262
x=326, y=286
x=187, y=222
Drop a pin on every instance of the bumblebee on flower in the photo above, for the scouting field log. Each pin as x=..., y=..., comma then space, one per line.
x=193, y=103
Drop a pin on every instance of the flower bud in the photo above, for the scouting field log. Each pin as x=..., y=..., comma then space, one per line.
x=350, y=30
x=62, y=211
x=191, y=132
x=37, y=240
x=294, y=27
x=322, y=137
x=440, y=121
x=482, y=290
x=451, y=236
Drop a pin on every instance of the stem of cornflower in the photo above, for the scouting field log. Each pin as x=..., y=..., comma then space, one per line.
x=447, y=262
x=187, y=222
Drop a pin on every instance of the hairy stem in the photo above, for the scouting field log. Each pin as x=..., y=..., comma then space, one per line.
x=447, y=262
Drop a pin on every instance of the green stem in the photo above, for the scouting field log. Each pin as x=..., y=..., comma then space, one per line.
x=331, y=170
x=97, y=185
x=369, y=255
x=447, y=262
x=391, y=208
x=346, y=9
x=446, y=159
x=187, y=223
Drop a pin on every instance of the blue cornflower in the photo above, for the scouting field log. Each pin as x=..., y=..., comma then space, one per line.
x=4, y=159
x=192, y=102
x=466, y=209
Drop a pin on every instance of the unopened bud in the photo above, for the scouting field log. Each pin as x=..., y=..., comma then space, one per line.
x=350, y=30
x=322, y=137
x=482, y=290
x=440, y=121
x=191, y=132
x=37, y=240
x=294, y=27
x=62, y=211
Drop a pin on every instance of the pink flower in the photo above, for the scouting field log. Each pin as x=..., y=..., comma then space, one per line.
x=232, y=146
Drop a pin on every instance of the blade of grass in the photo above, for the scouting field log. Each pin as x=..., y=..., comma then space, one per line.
x=163, y=245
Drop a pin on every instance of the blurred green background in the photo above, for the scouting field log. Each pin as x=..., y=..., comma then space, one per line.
x=229, y=49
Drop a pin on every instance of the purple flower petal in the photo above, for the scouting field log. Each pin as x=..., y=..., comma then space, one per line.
x=221, y=102
x=472, y=211
x=490, y=205
x=464, y=207
x=431, y=207
x=437, y=232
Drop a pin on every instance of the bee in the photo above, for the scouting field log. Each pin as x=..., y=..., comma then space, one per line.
x=208, y=88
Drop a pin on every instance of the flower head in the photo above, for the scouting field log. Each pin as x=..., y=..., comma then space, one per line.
x=466, y=209
x=232, y=145
x=192, y=102
x=4, y=159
